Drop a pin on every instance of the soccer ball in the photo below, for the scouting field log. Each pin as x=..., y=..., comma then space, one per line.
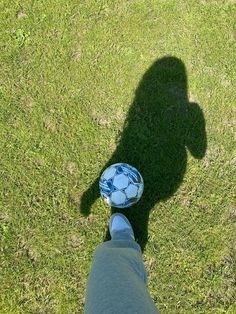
x=121, y=185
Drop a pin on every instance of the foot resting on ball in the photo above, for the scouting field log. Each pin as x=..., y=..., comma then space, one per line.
x=120, y=228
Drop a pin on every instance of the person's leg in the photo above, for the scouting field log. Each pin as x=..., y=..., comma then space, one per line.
x=117, y=280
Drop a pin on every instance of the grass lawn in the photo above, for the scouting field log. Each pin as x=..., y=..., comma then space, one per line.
x=84, y=84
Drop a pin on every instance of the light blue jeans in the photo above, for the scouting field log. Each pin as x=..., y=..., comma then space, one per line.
x=117, y=279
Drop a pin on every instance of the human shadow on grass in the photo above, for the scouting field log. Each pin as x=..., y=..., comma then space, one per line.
x=160, y=127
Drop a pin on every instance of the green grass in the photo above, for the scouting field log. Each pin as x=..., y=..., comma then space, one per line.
x=85, y=83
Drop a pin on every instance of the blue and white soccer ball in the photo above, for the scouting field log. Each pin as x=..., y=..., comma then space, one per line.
x=121, y=185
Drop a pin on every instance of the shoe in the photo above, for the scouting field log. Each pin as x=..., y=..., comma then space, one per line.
x=120, y=227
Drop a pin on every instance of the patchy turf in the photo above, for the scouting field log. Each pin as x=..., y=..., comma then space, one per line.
x=86, y=83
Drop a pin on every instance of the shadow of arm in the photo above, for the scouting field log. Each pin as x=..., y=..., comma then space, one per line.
x=196, y=138
x=89, y=197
